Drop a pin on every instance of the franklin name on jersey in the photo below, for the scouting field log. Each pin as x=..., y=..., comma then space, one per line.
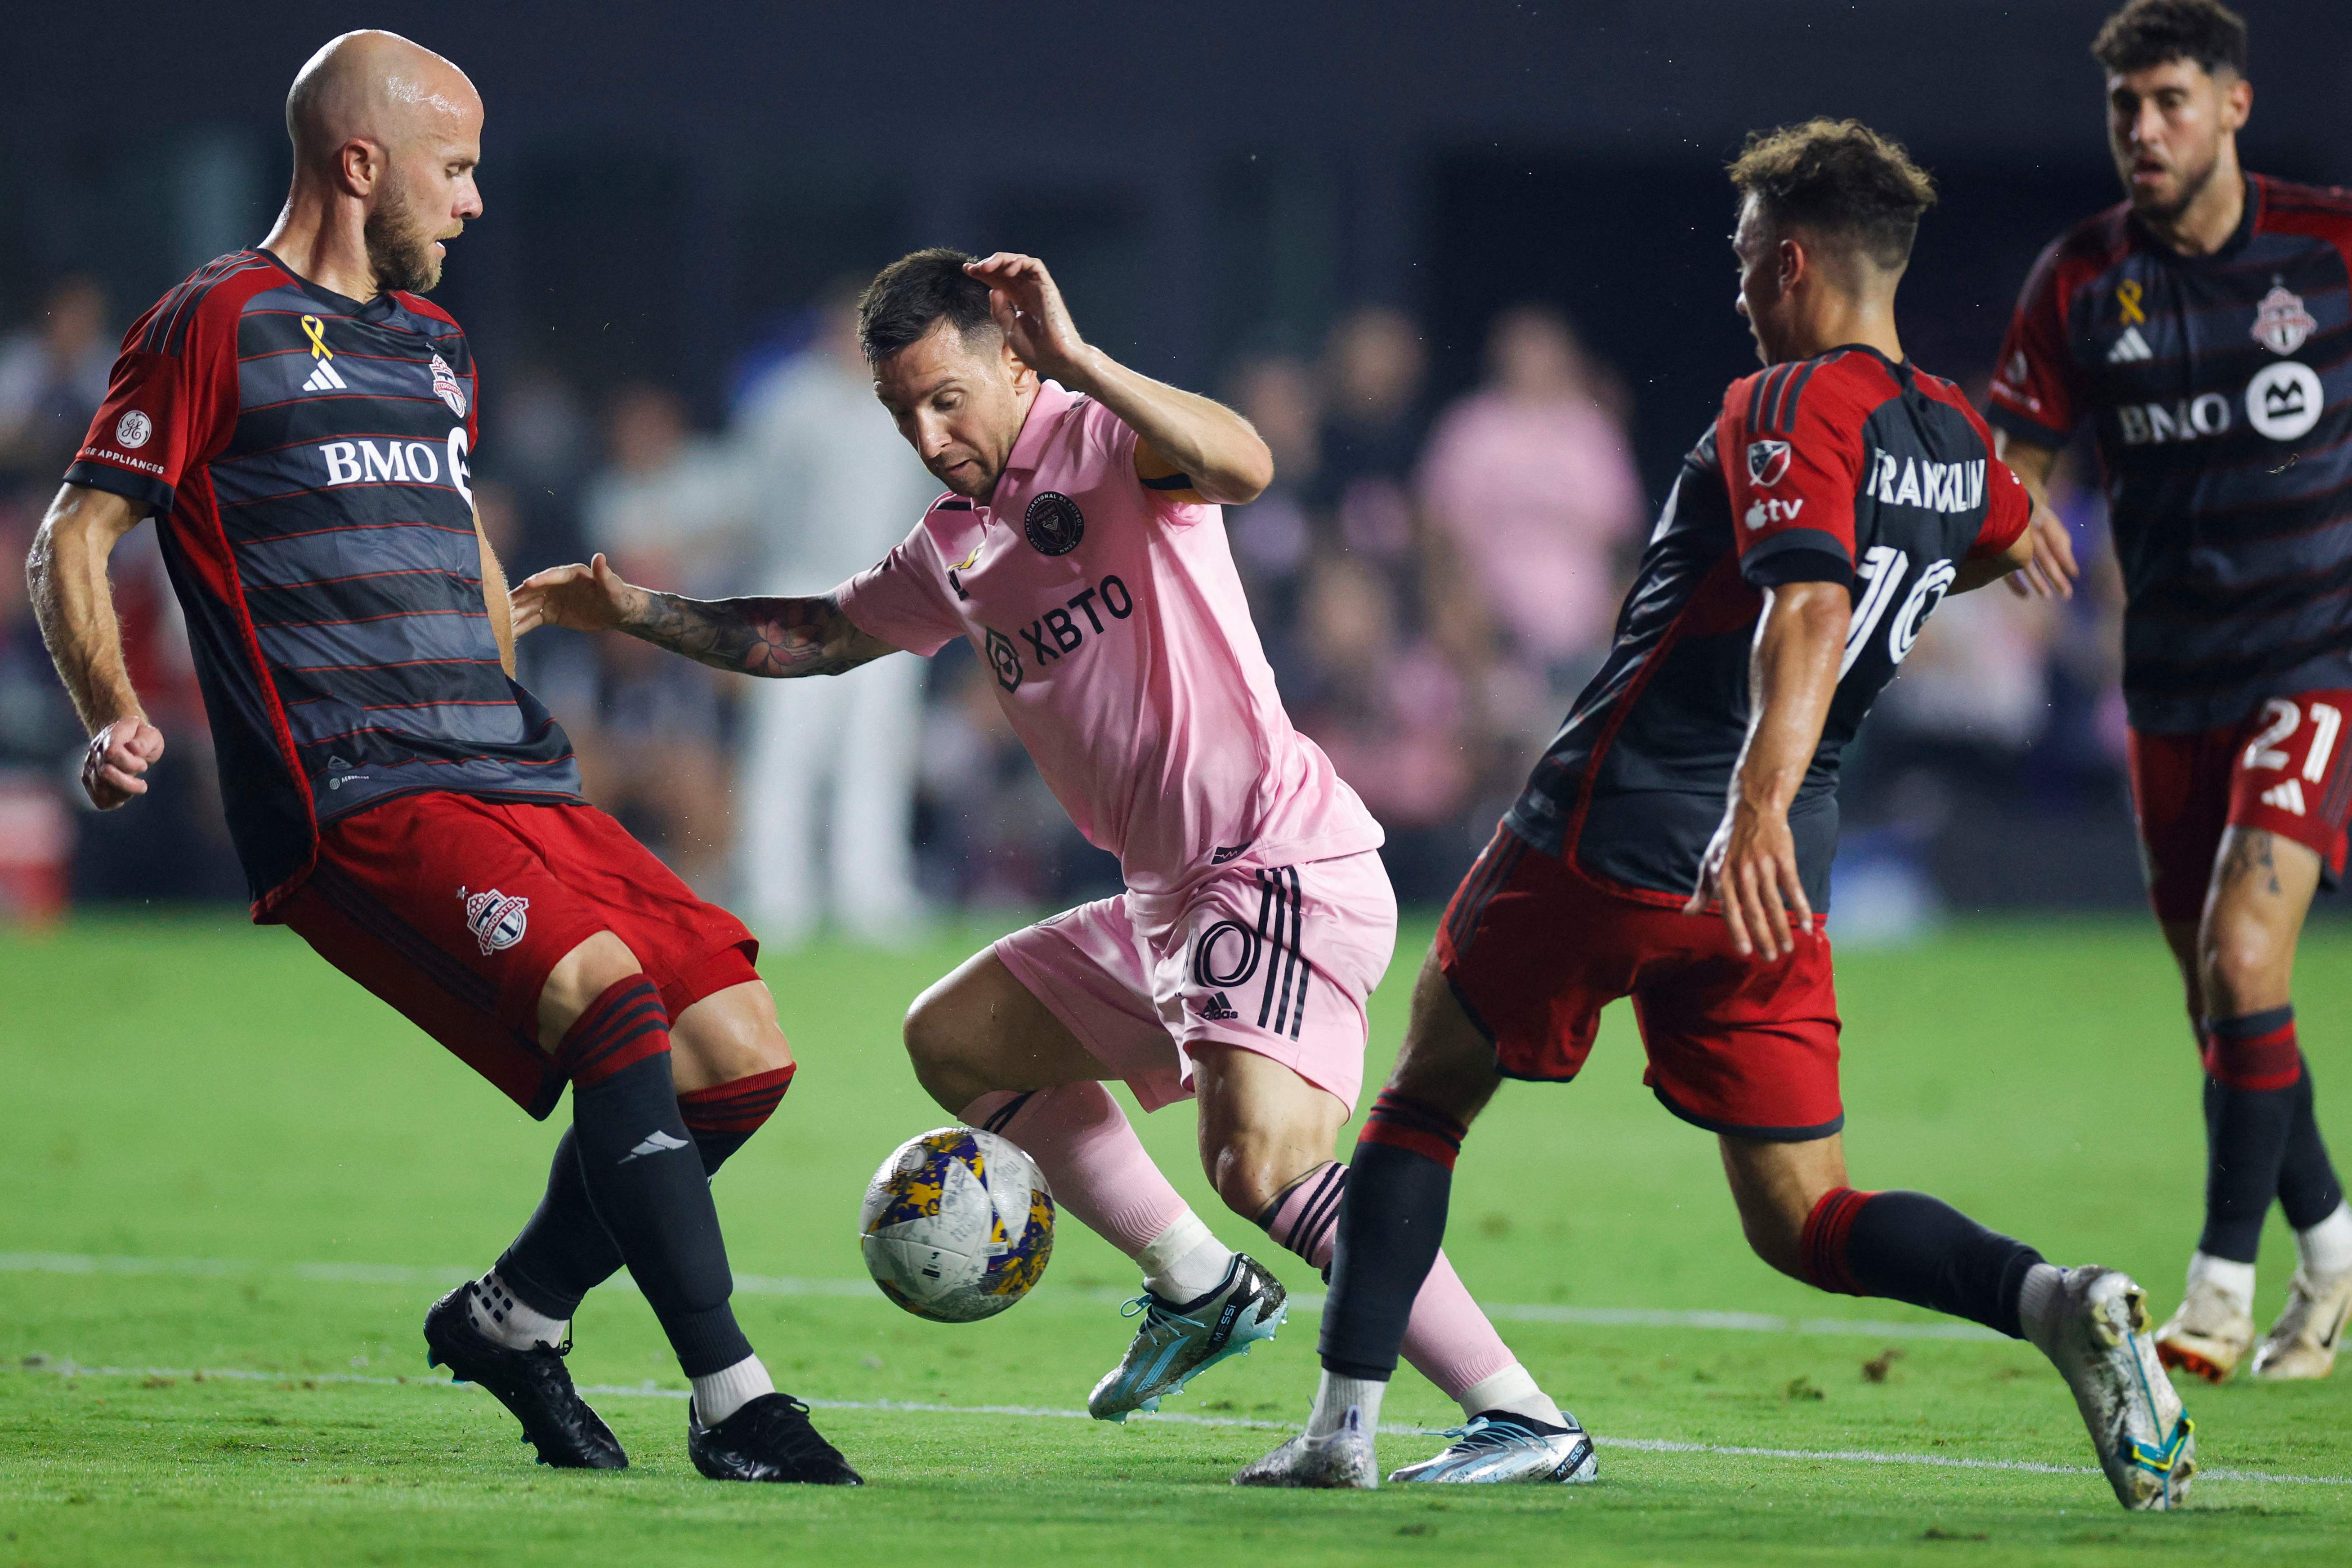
x=1846, y=469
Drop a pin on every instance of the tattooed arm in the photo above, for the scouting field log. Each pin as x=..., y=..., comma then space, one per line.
x=751, y=636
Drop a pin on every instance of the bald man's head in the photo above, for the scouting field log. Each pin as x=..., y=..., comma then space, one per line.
x=391, y=127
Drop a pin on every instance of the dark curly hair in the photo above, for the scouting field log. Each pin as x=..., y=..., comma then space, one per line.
x=2152, y=32
x=915, y=293
x=1838, y=177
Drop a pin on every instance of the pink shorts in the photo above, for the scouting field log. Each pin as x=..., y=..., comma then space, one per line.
x=1276, y=960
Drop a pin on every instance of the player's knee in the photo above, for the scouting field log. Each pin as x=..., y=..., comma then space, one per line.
x=2242, y=969
x=730, y=1036
x=1250, y=1171
x=579, y=977
x=942, y=1052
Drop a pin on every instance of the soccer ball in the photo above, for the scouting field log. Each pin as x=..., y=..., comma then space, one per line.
x=957, y=1225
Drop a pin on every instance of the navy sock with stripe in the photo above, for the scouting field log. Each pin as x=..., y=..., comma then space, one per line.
x=1392, y=1224
x=2252, y=1066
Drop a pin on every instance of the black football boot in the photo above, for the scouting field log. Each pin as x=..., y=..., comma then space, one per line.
x=533, y=1384
x=769, y=1439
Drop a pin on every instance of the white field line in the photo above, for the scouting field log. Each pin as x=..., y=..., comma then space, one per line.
x=69, y=1368
x=770, y=1285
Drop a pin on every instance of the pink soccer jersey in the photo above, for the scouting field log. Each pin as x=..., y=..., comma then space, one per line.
x=1123, y=656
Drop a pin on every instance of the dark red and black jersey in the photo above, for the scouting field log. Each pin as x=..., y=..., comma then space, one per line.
x=1846, y=468
x=306, y=456
x=2220, y=390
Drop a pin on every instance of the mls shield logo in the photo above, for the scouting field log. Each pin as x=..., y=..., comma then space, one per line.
x=447, y=388
x=1767, y=462
x=2281, y=323
x=497, y=920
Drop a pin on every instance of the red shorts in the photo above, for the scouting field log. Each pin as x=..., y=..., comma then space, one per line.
x=454, y=910
x=2284, y=770
x=1533, y=951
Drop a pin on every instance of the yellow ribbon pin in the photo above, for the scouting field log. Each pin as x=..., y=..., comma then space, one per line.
x=2127, y=295
x=316, y=331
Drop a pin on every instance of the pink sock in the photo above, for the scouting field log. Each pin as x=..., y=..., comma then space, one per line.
x=1448, y=1339
x=1091, y=1157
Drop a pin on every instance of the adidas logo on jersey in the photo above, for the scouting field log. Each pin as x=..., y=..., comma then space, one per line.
x=2130, y=348
x=324, y=379
x=1217, y=1009
x=2286, y=797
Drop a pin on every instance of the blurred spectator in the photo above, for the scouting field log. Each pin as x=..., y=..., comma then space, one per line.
x=1274, y=537
x=1375, y=365
x=540, y=441
x=671, y=510
x=1531, y=480
x=1392, y=713
x=834, y=487
x=52, y=378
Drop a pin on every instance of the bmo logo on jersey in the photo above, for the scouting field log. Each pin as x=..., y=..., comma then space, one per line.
x=397, y=462
x=2282, y=402
x=1058, y=633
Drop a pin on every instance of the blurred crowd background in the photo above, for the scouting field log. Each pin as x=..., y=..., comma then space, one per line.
x=1478, y=342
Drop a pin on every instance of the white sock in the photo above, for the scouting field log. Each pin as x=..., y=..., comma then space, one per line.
x=2037, y=1303
x=1336, y=1398
x=1513, y=1389
x=2235, y=1281
x=2325, y=1249
x=495, y=1310
x=723, y=1392
x=1184, y=1262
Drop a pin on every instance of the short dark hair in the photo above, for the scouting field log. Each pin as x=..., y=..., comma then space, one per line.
x=1841, y=178
x=914, y=294
x=2154, y=32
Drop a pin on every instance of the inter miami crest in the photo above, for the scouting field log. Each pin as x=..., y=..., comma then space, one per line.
x=1768, y=462
x=1053, y=524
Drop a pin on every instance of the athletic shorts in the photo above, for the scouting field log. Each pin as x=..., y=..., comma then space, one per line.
x=1534, y=949
x=1275, y=959
x=454, y=910
x=2284, y=770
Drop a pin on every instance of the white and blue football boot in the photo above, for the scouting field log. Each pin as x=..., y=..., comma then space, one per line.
x=1177, y=1342
x=2099, y=1340
x=1503, y=1447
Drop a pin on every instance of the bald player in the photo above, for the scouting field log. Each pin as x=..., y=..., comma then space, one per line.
x=300, y=422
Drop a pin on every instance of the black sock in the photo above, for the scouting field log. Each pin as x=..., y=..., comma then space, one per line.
x=1911, y=1248
x=646, y=1185
x=2252, y=1065
x=1392, y=1224
x=565, y=1251
x=2307, y=1186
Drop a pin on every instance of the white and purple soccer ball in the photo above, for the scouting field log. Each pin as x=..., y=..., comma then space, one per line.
x=957, y=1224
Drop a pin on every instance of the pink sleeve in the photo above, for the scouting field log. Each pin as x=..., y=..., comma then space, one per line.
x=899, y=599
x=1109, y=434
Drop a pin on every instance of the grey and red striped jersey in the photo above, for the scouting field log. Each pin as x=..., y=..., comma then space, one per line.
x=1846, y=469
x=306, y=458
x=2219, y=390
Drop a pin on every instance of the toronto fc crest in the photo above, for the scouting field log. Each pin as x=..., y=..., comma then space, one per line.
x=497, y=920
x=2281, y=323
x=447, y=388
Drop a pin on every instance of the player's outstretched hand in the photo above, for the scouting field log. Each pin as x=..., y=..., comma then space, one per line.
x=2050, y=574
x=590, y=598
x=1028, y=309
x=1750, y=866
x=117, y=756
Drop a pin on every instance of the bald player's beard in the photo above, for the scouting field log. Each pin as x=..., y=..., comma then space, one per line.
x=399, y=252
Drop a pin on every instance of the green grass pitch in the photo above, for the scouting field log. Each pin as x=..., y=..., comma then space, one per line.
x=221, y=1158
